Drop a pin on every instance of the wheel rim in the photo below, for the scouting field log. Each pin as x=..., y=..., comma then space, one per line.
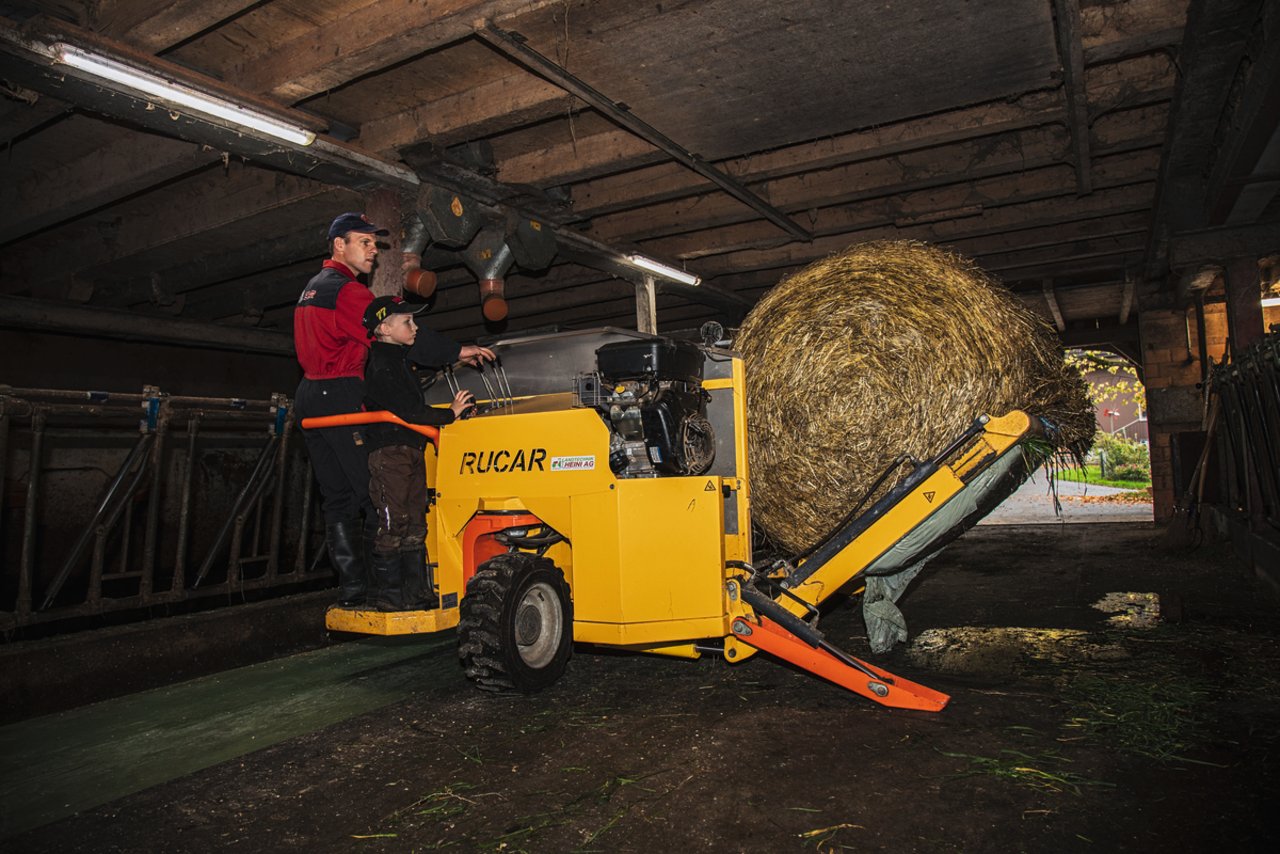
x=539, y=625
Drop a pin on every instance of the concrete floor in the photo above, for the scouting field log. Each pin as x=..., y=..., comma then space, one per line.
x=385, y=747
x=1033, y=504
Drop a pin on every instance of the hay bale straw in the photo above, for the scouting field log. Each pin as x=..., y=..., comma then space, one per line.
x=890, y=347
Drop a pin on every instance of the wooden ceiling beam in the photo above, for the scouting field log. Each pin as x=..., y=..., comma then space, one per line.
x=382, y=34
x=157, y=25
x=154, y=157
x=239, y=267
x=1051, y=302
x=1071, y=53
x=1112, y=263
x=121, y=166
x=1244, y=179
x=19, y=119
x=581, y=160
x=490, y=108
x=667, y=182
x=252, y=294
x=1138, y=45
x=793, y=255
x=998, y=198
x=145, y=234
x=515, y=47
x=1126, y=300
x=520, y=99
x=45, y=199
x=253, y=188
x=1193, y=249
x=1216, y=41
x=966, y=164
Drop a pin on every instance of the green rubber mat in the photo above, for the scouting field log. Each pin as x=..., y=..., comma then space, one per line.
x=60, y=764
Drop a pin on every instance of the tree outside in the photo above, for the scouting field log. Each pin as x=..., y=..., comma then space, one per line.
x=1120, y=454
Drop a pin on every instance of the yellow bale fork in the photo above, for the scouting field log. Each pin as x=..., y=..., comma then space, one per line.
x=609, y=503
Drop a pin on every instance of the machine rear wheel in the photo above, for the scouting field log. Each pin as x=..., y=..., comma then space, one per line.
x=515, y=631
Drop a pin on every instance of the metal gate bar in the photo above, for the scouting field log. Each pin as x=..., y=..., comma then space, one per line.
x=126, y=556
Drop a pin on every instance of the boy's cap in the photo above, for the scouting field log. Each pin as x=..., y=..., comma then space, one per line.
x=354, y=221
x=383, y=307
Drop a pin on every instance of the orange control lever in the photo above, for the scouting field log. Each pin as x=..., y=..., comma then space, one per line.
x=892, y=691
x=432, y=433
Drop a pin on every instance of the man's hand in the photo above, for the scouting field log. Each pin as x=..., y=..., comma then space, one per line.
x=473, y=355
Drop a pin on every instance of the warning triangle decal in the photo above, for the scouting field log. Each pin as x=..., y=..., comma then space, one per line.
x=928, y=496
x=710, y=487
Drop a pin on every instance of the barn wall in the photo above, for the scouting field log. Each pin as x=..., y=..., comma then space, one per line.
x=44, y=360
x=1171, y=360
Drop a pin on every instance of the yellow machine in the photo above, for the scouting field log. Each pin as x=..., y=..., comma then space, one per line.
x=601, y=495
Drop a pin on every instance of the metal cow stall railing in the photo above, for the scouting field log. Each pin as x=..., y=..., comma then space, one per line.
x=1249, y=393
x=117, y=502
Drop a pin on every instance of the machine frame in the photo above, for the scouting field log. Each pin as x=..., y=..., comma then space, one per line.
x=532, y=532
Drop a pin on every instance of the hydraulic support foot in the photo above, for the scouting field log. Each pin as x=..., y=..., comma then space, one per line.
x=835, y=666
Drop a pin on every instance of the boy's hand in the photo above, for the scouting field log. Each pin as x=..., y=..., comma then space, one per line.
x=473, y=355
x=462, y=402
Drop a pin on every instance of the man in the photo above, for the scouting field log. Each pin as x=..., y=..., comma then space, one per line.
x=332, y=345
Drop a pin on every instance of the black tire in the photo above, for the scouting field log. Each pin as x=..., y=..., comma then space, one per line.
x=515, y=628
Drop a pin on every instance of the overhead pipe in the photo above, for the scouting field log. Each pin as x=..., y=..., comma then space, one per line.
x=489, y=257
x=414, y=242
x=68, y=318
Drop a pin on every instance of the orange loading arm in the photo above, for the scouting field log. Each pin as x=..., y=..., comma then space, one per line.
x=835, y=666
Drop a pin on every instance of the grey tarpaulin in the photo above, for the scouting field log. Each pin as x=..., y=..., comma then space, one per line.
x=890, y=574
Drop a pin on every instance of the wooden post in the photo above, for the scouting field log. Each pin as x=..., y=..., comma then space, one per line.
x=384, y=208
x=1244, y=304
x=647, y=306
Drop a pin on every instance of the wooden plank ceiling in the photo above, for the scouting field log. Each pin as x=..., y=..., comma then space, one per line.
x=1028, y=135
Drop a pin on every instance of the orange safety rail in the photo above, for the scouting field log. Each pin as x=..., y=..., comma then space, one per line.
x=432, y=433
x=892, y=691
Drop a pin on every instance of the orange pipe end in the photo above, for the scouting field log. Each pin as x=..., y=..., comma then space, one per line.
x=419, y=281
x=493, y=302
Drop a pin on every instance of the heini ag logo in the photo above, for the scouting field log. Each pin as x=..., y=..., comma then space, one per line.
x=587, y=463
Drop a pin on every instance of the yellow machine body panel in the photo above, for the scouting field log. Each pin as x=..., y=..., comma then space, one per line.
x=660, y=539
x=653, y=549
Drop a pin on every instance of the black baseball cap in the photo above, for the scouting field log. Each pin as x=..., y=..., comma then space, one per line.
x=383, y=307
x=354, y=221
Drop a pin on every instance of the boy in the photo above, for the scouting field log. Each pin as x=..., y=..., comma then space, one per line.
x=400, y=579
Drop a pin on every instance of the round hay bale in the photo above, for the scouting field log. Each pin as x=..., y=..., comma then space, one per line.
x=888, y=348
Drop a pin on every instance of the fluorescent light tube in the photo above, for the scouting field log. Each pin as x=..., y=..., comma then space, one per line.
x=1270, y=302
x=174, y=92
x=663, y=270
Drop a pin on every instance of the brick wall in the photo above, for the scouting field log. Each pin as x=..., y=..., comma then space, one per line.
x=1171, y=363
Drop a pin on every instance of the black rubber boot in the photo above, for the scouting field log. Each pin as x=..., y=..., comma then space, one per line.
x=419, y=585
x=346, y=550
x=386, y=591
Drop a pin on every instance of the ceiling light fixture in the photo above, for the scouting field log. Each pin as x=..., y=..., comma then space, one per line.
x=663, y=270
x=151, y=84
x=1271, y=302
